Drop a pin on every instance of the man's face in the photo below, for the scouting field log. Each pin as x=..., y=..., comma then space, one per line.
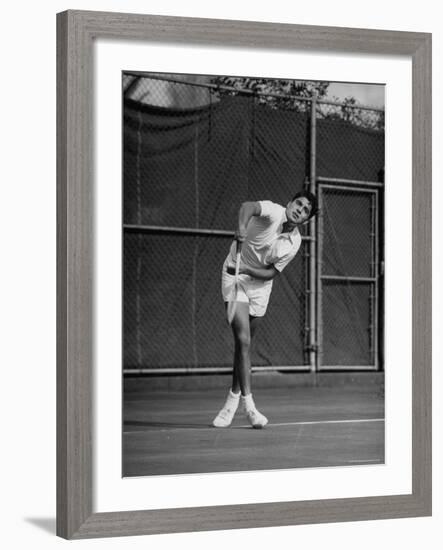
x=298, y=210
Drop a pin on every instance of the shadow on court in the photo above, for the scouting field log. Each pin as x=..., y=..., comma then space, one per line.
x=170, y=432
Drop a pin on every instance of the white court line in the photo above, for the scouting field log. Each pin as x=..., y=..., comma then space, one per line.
x=312, y=422
x=360, y=460
x=321, y=422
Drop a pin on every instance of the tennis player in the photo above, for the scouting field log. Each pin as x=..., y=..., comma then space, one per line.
x=270, y=238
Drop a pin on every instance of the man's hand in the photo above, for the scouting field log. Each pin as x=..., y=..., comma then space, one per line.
x=240, y=234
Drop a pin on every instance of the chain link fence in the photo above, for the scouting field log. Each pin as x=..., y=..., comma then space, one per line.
x=194, y=150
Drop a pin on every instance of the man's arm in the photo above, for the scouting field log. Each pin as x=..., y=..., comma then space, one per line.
x=263, y=273
x=247, y=210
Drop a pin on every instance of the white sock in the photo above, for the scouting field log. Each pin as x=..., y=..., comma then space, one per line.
x=255, y=418
x=226, y=414
x=248, y=402
x=232, y=399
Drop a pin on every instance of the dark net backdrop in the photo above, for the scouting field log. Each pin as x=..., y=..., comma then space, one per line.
x=192, y=168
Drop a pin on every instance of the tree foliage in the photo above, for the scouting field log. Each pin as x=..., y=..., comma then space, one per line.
x=289, y=94
x=287, y=90
x=351, y=112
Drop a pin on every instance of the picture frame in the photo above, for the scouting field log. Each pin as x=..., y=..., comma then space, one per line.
x=76, y=32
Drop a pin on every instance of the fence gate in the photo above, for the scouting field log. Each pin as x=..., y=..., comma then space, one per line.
x=348, y=276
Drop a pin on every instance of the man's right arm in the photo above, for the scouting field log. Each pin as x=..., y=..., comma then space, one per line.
x=247, y=210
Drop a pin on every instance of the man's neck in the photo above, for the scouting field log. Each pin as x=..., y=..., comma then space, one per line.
x=288, y=227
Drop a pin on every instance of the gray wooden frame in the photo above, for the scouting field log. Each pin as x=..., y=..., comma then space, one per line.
x=76, y=31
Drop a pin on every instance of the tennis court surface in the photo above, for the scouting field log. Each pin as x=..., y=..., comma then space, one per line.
x=169, y=431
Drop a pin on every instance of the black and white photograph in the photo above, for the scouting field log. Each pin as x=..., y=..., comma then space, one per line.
x=253, y=273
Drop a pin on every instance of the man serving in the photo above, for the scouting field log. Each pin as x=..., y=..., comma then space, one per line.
x=269, y=238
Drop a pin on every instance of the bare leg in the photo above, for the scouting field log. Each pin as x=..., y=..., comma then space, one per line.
x=236, y=386
x=254, y=322
x=242, y=342
x=243, y=327
x=235, y=379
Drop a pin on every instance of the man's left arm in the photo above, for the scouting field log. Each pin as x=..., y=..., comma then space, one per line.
x=264, y=273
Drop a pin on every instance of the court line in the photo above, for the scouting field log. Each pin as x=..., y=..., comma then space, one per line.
x=360, y=460
x=278, y=424
x=320, y=422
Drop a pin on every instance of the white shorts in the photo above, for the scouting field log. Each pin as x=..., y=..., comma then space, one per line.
x=255, y=292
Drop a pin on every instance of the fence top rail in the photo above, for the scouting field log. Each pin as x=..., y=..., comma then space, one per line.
x=139, y=228
x=337, y=182
x=246, y=91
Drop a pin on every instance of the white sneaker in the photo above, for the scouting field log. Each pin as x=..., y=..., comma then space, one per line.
x=224, y=418
x=256, y=418
x=226, y=414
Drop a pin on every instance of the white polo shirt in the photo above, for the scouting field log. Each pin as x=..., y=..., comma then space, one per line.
x=265, y=244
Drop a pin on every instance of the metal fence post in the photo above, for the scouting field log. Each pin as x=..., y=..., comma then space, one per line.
x=312, y=243
x=376, y=274
x=319, y=272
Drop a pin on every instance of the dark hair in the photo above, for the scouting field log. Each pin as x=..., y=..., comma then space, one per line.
x=312, y=200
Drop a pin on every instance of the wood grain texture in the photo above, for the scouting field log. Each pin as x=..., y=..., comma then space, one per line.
x=74, y=238
x=247, y=33
x=76, y=31
x=62, y=373
x=145, y=522
x=422, y=272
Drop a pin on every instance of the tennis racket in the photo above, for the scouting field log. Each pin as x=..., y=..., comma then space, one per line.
x=232, y=304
